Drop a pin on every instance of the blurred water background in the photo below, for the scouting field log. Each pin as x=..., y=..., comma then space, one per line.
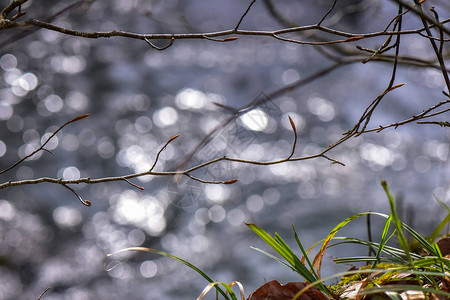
x=139, y=97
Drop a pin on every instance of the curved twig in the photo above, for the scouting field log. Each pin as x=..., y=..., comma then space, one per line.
x=160, y=48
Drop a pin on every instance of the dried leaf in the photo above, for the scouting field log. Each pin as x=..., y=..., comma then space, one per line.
x=273, y=290
x=444, y=246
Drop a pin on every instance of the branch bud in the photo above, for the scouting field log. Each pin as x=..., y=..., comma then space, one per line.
x=230, y=181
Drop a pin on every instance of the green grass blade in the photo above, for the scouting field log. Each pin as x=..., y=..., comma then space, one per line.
x=418, y=244
x=420, y=239
x=215, y=285
x=433, y=261
x=441, y=225
x=272, y=243
x=398, y=224
x=143, y=249
x=285, y=251
x=438, y=251
x=275, y=258
x=318, y=258
x=383, y=240
x=400, y=288
x=363, y=259
x=305, y=254
x=298, y=265
x=396, y=253
x=439, y=228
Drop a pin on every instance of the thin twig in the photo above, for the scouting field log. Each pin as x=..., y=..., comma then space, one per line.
x=133, y=184
x=440, y=123
x=45, y=143
x=42, y=294
x=295, y=137
x=243, y=16
x=161, y=150
x=84, y=202
x=366, y=116
x=414, y=118
x=10, y=7
x=327, y=13
x=160, y=48
x=350, y=39
x=438, y=51
x=418, y=11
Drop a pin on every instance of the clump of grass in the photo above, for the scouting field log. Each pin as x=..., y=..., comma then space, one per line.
x=390, y=271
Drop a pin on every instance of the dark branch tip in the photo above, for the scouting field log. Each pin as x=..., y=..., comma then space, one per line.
x=292, y=124
x=230, y=181
x=78, y=118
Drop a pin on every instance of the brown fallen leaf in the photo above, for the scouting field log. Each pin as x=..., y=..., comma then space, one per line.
x=273, y=290
x=444, y=246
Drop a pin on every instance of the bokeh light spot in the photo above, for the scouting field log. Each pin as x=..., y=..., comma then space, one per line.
x=7, y=211
x=190, y=99
x=67, y=217
x=254, y=203
x=53, y=103
x=8, y=62
x=6, y=111
x=165, y=117
x=255, y=120
x=236, y=217
x=216, y=213
x=322, y=108
x=70, y=173
x=148, y=269
x=77, y=100
x=2, y=148
x=216, y=193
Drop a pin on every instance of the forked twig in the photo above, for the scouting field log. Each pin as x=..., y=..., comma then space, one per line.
x=161, y=150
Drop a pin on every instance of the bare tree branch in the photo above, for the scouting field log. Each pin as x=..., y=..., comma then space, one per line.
x=291, y=34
